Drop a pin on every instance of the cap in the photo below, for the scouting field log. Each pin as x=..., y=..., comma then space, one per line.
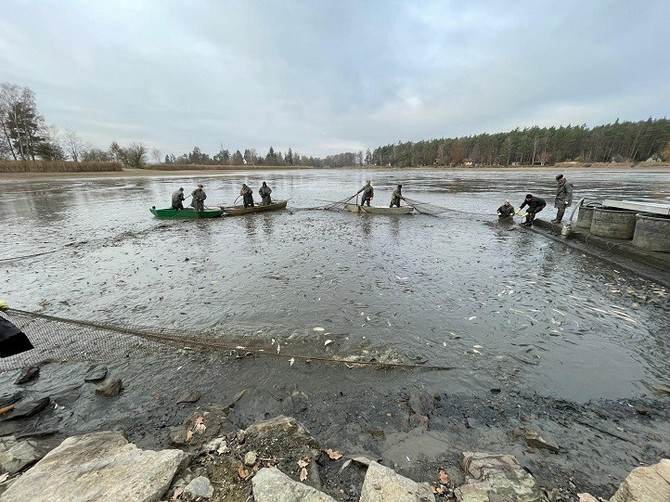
x=529, y=196
x=181, y=189
x=399, y=186
x=199, y=186
x=559, y=176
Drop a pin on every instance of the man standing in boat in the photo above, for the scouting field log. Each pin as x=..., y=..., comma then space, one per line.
x=199, y=197
x=247, y=196
x=177, y=199
x=396, y=197
x=265, y=192
x=563, y=197
x=368, y=193
x=535, y=205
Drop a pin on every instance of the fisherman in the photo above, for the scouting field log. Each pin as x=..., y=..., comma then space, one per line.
x=265, y=192
x=198, y=201
x=247, y=196
x=368, y=193
x=563, y=197
x=177, y=199
x=506, y=210
x=396, y=196
x=535, y=205
x=12, y=340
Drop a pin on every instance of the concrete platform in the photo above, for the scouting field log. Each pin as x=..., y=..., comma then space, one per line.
x=640, y=206
x=651, y=265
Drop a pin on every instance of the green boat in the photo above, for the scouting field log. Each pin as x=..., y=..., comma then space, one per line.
x=186, y=214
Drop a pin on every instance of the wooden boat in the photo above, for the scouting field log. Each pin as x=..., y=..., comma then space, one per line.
x=355, y=208
x=240, y=210
x=187, y=213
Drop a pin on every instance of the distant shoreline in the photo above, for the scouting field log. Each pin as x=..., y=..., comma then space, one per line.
x=127, y=172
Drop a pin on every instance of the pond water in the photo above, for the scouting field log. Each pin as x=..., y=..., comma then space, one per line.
x=497, y=302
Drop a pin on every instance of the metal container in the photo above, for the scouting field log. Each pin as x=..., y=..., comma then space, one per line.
x=585, y=216
x=613, y=223
x=652, y=233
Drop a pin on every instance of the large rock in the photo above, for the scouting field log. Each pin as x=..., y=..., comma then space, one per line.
x=16, y=455
x=200, y=488
x=111, y=387
x=98, y=466
x=272, y=485
x=385, y=485
x=279, y=426
x=493, y=478
x=645, y=484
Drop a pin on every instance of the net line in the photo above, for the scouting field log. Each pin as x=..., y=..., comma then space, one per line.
x=57, y=338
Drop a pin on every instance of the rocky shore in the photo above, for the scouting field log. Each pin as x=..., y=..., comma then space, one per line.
x=211, y=454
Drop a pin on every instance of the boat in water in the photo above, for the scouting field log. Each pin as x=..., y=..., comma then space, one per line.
x=355, y=208
x=240, y=210
x=187, y=213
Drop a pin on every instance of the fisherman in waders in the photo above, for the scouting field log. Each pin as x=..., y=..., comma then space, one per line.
x=265, y=192
x=563, y=197
x=368, y=193
x=396, y=196
x=177, y=199
x=198, y=201
x=247, y=196
x=535, y=205
x=506, y=210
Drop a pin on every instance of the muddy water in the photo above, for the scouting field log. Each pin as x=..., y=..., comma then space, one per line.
x=504, y=306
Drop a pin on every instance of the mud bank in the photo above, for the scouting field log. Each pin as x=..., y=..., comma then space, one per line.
x=410, y=420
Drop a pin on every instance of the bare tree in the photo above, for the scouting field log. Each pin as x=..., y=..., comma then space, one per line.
x=156, y=155
x=74, y=145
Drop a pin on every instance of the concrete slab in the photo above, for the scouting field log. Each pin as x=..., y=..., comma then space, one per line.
x=641, y=206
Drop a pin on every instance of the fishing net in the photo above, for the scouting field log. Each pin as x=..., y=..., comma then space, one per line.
x=426, y=207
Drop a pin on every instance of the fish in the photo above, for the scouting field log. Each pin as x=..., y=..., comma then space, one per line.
x=327, y=342
x=471, y=318
x=291, y=361
x=477, y=347
x=318, y=329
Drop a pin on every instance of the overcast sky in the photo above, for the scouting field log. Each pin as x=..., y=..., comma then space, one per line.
x=325, y=77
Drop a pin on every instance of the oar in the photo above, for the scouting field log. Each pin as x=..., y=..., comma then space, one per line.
x=235, y=201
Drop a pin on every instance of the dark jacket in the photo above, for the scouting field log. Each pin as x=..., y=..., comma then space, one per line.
x=12, y=339
x=505, y=211
x=535, y=204
x=564, y=195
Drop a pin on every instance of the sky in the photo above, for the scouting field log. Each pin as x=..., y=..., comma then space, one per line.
x=330, y=76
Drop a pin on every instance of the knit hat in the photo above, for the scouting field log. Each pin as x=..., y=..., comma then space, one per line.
x=558, y=177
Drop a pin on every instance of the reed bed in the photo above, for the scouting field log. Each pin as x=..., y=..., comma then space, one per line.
x=44, y=166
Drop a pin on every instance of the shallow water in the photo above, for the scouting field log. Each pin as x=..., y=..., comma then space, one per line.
x=543, y=316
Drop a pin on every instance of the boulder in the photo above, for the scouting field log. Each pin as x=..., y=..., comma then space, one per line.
x=536, y=440
x=272, y=485
x=645, y=483
x=385, y=485
x=281, y=426
x=191, y=396
x=98, y=466
x=494, y=477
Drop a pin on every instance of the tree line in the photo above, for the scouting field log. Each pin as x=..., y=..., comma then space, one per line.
x=24, y=136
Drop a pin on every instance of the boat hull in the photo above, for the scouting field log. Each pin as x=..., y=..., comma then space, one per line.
x=240, y=210
x=186, y=214
x=355, y=208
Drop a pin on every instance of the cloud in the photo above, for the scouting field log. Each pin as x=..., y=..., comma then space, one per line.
x=325, y=77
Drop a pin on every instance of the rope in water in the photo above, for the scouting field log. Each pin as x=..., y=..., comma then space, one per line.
x=188, y=341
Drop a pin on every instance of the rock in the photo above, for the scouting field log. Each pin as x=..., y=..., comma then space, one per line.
x=385, y=485
x=272, y=485
x=206, y=424
x=110, y=388
x=494, y=477
x=278, y=426
x=97, y=466
x=192, y=396
x=7, y=399
x=95, y=373
x=250, y=458
x=28, y=408
x=27, y=374
x=178, y=436
x=200, y=487
x=534, y=439
x=645, y=484
x=586, y=497
x=219, y=445
x=421, y=403
x=642, y=410
x=15, y=455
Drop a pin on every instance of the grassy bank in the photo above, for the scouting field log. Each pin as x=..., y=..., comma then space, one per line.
x=43, y=166
x=219, y=167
